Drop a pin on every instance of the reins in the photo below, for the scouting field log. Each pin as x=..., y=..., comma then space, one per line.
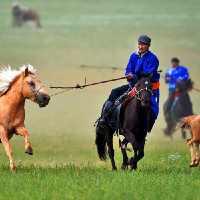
x=137, y=95
x=60, y=92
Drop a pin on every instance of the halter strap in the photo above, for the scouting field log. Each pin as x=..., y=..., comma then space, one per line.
x=136, y=93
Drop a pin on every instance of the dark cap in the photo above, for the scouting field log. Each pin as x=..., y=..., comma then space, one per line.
x=144, y=39
x=175, y=60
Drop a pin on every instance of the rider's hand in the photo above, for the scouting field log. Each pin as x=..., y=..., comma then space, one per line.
x=167, y=79
x=129, y=77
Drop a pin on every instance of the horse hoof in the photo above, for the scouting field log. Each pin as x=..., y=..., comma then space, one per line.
x=13, y=168
x=194, y=165
x=29, y=150
x=124, y=167
x=133, y=164
x=134, y=167
x=114, y=169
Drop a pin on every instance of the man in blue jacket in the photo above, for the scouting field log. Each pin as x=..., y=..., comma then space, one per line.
x=175, y=74
x=141, y=63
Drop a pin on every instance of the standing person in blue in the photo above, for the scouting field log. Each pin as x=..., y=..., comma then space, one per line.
x=178, y=80
x=141, y=63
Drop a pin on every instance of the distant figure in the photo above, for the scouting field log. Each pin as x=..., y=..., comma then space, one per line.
x=178, y=103
x=22, y=15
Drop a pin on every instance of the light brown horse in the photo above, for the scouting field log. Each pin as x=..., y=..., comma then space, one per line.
x=15, y=87
x=192, y=123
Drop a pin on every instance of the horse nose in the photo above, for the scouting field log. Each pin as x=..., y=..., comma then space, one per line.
x=46, y=98
x=43, y=99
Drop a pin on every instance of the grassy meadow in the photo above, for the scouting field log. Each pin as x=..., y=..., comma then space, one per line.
x=102, y=34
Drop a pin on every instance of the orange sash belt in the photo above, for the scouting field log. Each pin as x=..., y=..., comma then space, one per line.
x=155, y=85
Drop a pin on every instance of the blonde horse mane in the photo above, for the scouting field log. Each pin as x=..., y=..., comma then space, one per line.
x=8, y=75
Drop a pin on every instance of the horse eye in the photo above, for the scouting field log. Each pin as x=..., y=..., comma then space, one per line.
x=32, y=84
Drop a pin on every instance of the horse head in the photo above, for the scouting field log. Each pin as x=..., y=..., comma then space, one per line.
x=16, y=9
x=33, y=89
x=144, y=91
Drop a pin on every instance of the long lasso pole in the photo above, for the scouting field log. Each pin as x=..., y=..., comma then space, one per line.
x=87, y=85
x=78, y=86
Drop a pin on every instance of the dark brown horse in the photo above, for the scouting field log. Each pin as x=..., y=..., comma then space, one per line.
x=177, y=106
x=134, y=116
x=22, y=15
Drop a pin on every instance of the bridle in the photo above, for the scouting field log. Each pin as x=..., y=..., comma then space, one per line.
x=138, y=92
x=36, y=92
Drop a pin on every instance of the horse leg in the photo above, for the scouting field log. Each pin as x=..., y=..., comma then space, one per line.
x=131, y=138
x=7, y=147
x=111, y=152
x=193, y=155
x=140, y=152
x=133, y=160
x=197, y=153
x=138, y=155
x=183, y=132
x=125, y=157
x=24, y=132
x=38, y=25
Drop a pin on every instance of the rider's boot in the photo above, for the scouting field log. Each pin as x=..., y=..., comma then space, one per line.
x=109, y=106
x=150, y=124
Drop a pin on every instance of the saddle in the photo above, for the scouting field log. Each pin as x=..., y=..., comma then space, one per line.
x=115, y=119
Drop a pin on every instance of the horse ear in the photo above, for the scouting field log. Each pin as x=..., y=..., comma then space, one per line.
x=26, y=72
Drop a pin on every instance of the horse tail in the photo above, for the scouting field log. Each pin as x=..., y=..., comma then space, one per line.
x=100, y=142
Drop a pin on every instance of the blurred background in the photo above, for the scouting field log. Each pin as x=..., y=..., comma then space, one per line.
x=100, y=34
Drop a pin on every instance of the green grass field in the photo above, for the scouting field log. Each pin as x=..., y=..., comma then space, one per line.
x=98, y=33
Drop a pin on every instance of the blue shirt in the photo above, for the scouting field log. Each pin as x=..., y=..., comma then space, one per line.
x=173, y=75
x=146, y=64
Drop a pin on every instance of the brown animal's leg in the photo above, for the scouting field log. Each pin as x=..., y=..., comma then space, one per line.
x=190, y=141
x=38, y=23
x=24, y=132
x=197, y=153
x=7, y=147
x=14, y=23
x=183, y=132
x=193, y=155
x=125, y=157
x=18, y=21
x=111, y=152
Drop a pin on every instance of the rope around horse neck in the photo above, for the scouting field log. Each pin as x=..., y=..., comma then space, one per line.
x=61, y=92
